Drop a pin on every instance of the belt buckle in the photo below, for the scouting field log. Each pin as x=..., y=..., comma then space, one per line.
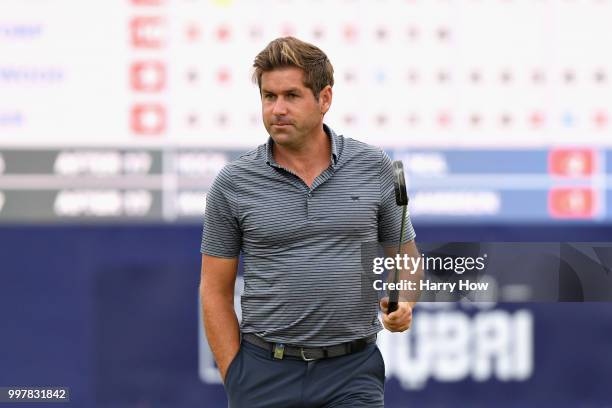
x=304, y=356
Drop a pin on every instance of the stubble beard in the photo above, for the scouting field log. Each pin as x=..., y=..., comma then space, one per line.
x=289, y=138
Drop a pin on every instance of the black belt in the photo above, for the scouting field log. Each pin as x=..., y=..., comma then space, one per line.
x=280, y=350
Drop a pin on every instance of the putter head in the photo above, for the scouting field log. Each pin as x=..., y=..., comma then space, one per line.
x=399, y=182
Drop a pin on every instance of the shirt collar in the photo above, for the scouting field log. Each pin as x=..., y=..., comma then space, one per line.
x=334, y=148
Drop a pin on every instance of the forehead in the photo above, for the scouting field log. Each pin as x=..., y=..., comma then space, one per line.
x=282, y=79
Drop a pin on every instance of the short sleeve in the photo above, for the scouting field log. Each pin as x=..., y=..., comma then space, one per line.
x=390, y=214
x=221, y=234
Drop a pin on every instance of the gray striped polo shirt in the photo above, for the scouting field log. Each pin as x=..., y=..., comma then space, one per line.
x=301, y=246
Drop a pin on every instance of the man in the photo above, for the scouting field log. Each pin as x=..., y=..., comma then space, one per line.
x=299, y=208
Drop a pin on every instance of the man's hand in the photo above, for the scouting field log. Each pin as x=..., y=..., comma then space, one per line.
x=398, y=321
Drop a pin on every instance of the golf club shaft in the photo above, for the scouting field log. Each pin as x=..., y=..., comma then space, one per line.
x=394, y=294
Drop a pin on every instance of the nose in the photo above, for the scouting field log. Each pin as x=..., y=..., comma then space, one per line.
x=280, y=107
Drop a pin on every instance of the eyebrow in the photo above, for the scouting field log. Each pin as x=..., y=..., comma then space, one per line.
x=290, y=90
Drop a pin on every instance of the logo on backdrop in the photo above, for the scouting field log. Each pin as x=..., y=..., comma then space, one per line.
x=458, y=341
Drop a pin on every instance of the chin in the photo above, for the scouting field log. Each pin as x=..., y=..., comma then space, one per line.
x=281, y=137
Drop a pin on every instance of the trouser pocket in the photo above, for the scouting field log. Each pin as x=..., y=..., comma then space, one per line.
x=234, y=366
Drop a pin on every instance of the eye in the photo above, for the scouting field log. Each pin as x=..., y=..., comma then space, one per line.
x=268, y=96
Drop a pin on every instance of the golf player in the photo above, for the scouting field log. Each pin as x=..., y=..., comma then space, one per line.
x=298, y=209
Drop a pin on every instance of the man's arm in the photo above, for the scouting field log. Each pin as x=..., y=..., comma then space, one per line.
x=218, y=278
x=401, y=319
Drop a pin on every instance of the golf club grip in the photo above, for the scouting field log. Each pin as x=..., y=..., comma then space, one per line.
x=392, y=307
x=393, y=297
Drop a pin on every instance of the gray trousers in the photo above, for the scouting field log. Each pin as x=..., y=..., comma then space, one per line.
x=255, y=379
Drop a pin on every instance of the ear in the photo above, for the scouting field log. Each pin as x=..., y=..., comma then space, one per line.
x=325, y=99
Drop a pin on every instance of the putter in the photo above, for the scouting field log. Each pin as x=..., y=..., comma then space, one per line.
x=401, y=199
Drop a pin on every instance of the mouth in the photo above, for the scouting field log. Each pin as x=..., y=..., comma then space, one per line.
x=281, y=125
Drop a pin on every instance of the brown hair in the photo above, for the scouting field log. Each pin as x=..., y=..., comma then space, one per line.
x=291, y=52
